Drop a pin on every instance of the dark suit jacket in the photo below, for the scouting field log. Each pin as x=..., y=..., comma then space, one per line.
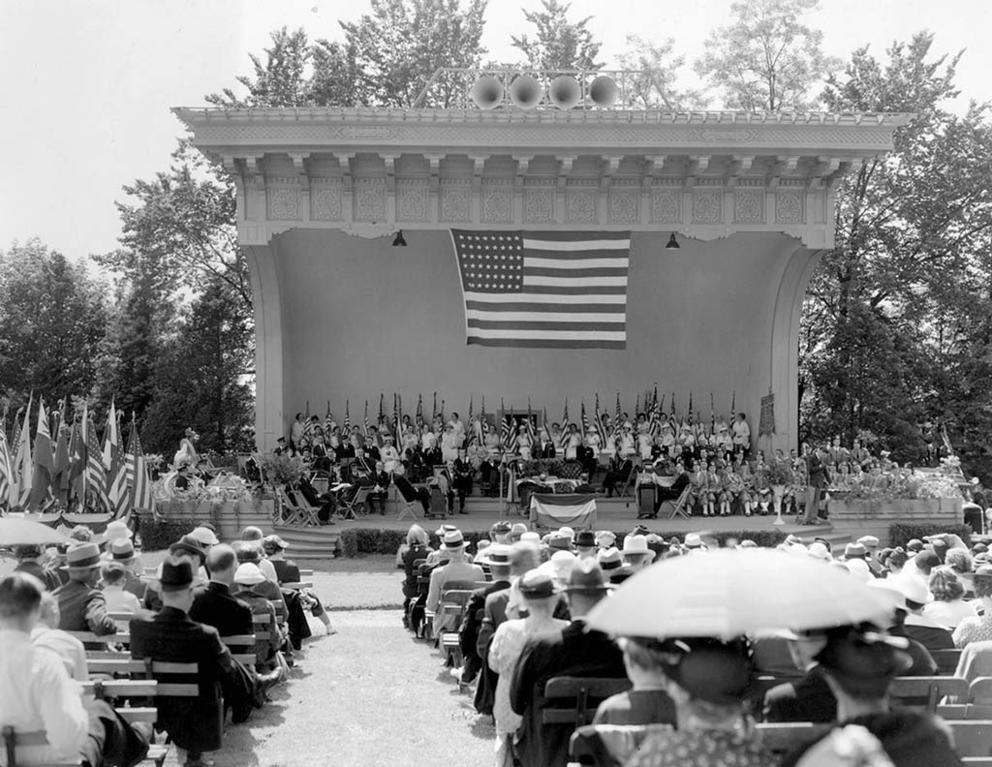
x=46, y=575
x=286, y=570
x=494, y=613
x=193, y=723
x=215, y=606
x=805, y=700
x=931, y=637
x=636, y=707
x=573, y=652
x=83, y=609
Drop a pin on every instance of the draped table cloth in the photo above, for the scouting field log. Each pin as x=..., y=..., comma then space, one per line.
x=577, y=510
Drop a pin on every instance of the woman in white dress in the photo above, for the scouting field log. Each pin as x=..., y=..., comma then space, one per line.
x=187, y=455
x=541, y=595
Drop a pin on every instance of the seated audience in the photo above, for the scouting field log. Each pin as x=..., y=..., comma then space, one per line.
x=213, y=604
x=976, y=629
x=122, y=553
x=39, y=695
x=112, y=579
x=268, y=640
x=47, y=634
x=409, y=492
x=195, y=725
x=948, y=607
x=459, y=573
x=417, y=549
x=274, y=549
x=808, y=699
x=30, y=560
x=574, y=651
x=860, y=663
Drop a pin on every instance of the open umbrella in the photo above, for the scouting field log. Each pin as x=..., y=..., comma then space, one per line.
x=15, y=531
x=729, y=592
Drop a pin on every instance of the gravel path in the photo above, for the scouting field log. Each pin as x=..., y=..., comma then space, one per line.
x=369, y=695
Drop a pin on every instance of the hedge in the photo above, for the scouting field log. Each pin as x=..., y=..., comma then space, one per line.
x=901, y=533
x=156, y=535
x=360, y=541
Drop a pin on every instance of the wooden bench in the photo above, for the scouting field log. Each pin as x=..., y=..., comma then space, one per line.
x=973, y=740
x=947, y=661
x=926, y=692
x=242, y=647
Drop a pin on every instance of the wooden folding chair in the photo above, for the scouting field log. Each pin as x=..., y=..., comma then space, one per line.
x=408, y=507
x=680, y=508
x=295, y=513
x=350, y=508
x=573, y=700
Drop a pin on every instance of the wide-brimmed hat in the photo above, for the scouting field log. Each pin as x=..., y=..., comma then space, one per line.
x=714, y=671
x=453, y=540
x=913, y=588
x=188, y=545
x=444, y=529
x=204, y=536
x=536, y=584
x=248, y=574
x=83, y=558
x=501, y=528
x=117, y=529
x=498, y=555
x=869, y=541
x=175, y=576
x=818, y=551
x=586, y=576
x=530, y=537
x=693, y=541
x=122, y=550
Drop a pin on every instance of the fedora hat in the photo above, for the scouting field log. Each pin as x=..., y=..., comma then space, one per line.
x=537, y=584
x=854, y=551
x=605, y=539
x=176, y=576
x=453, y=540
x=585, y=539
x=694, y=541
x=609, y=559
x=122, y=550
x=498, y=555
x=636, y=544
x=83, y=558
x=188, y=545
x=204, y=536
x=559, y=542
x=587, y=576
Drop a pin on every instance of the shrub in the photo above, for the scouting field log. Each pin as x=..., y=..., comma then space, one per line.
x=157, y=535
x=900, y=533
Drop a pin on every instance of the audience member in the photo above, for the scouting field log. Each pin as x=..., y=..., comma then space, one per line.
x=81, y=605
x=458, y=573
x=122, y=553
x=213, y=604
x=270, y=639
x=112, y=579
x=977, y=629
x=948, y=607
x=647, y=702
x=29, y=560
x=47, y=634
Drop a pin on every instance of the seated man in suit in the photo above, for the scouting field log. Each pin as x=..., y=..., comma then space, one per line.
x=380, y=488
x=672, y=493
x=458, y=573
x=29, y=560
x=619, y=471
x=498, y=556
x=574, y=651
x=409, y=492
x=38, y=693
x=213, y=604
x=81, y=604
x=194, y=724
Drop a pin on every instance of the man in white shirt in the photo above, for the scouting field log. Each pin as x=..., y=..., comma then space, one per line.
x=48, y=635
x=38, y=694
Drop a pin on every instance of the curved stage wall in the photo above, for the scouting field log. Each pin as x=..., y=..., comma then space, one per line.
x=360, y=317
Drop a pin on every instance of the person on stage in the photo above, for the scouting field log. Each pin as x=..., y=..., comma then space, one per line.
x=389, y=454
x=297, y=431
x=572, y=442
x=187, y=455
x=450, y=443
x=524, y=442
x=742, y=433
x=461, y=480
x=380, y=487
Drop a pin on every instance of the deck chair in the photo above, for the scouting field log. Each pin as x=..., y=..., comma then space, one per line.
x=573, y=700
x=296, y=513
x=680, y=506
x=350, y=509
x=408, y=505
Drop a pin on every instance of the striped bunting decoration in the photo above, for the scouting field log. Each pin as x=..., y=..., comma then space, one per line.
x=558, y=290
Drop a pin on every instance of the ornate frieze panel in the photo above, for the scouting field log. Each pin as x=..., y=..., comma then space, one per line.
x=497, y=201
x=370, y=199
x=749, y=206
x=325, y=199
x=707, y=206
x=456, y=201
x=539, y=201
x=412, y=200
x=789, y=207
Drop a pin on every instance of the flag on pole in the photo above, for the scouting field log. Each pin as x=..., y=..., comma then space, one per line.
x=563, y=439
x=585, y=418
x=5, y=467
x=600, y=428
x=23, y=469
x=44, y=461
x=504, y=427
x=563, y=289
x=61, y=458
x=618, y=419
x=365, y=418
x=347, y=417
x=137, y=472
x=94, y=475
x=420, y=410
x=75, y=478
x=482, y=417
x=116, y=479
x=328, y=420
x=531, y=430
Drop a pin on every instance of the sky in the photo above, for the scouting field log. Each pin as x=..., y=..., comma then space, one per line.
x=88, y=84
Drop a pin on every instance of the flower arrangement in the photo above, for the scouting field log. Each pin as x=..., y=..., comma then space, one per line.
x=778, y=473
x=280, y=469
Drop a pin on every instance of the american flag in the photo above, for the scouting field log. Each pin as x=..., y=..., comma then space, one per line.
x=565, y=290
x=5, y=468
x=94, y=475
x=137, y=474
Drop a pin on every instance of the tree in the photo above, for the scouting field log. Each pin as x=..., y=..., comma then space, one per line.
x=182, y=224
x=655, y=84
x=895, y=328
x=559, y=44
x=766, y=60
x=202, y=377
x=52, y=317
x=280, y=81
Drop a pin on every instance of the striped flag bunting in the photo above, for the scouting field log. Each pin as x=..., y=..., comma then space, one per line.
x=550, y=511
x=94, y=474
x=22, y=469
x=117, y=492
x=564, y=290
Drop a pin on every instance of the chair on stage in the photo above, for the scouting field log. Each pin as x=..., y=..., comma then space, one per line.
x=408, y=499
x=351, y=508
x=646, y=492
x=680, y=507
x=296, y=513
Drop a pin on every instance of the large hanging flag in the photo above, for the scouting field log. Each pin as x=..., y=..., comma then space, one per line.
x=138, y=481
x=5, y=468
x=600, y=429
x=44, y=461
x=563, y=437
x=365, y=419
x=60, y=472
x=23, y=468
x=75, y=477
x=565, y=290
x=504, y=427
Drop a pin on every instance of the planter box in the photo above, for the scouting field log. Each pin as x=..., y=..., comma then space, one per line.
x=857, y=518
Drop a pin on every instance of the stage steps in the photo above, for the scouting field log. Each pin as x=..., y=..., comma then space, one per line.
x=307, y=544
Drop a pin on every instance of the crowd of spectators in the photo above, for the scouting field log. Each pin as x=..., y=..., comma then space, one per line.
x=204, y=590
x=524, y=623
